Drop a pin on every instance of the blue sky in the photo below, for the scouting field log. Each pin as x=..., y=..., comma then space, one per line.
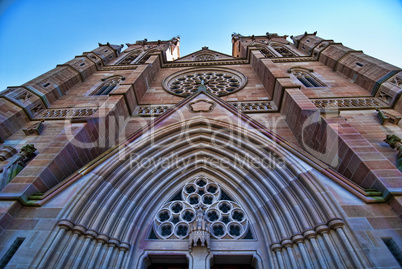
x=36, y=35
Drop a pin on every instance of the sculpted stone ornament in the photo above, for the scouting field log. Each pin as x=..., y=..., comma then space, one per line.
x=35, y=128
x=15, y=166
x=201, y=106
x=395, y=143
x=199, y=231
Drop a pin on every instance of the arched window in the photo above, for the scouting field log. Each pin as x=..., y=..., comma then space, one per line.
x=307, y=79
x=282, y=50
x=144, y=59
x=129, y=59
x=266, y=52
x=109, y=85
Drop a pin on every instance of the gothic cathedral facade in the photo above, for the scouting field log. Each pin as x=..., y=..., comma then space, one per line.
x=281, y=155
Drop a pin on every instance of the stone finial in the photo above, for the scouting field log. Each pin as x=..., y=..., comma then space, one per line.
x=199, y=231
x=27, y=151
x=205, y=48
x=394, y=141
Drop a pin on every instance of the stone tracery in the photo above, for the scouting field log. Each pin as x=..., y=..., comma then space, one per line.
x=202, y=213
x=220, y=81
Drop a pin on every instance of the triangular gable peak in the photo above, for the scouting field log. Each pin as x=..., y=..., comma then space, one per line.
x=205, y=54
x=196, y=110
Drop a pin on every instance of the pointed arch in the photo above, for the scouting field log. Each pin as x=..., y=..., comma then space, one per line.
x=109, y=84
x=306, y=77
x=265, y=51
x=130, y=58
x=291, y=209
x=282, y=50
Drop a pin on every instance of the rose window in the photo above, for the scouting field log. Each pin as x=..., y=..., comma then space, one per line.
x=224, y=218
x=219, y=81
x=205, y=57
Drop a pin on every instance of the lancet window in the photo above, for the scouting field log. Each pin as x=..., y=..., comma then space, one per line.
x=129, y=59
x=282, y=50
x=307, y=79
x=266, y=52
x=109, y=85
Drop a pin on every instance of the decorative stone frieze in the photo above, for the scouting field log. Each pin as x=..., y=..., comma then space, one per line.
x=293, y=59
x=255, y=106
x=117, y=67
x=348, y=103
x=64, y=113
x=151, y=110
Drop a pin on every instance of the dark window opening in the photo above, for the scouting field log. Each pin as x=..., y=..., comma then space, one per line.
x=168, y=262
x=359, y=64
x=82, y=64
x=45, y=85
x=128, y=59
x=11, y=251
x=285, y=52
x=394, y=249
x=144, y=59
x=307, y=79
x=232, y=262
x=266, y=53
x=106, y=89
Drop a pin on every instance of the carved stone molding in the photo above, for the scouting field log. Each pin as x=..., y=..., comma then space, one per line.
x=79, y=229
x=201, y=106
x=308, y=234
x=293, y=59
x=118, y=67
x=204, y=63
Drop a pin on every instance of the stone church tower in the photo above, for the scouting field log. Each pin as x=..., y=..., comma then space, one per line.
x=281, y=155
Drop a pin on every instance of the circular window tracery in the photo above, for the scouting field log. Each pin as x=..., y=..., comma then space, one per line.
x=219, y=81
x=205, y=57
x=225, y=218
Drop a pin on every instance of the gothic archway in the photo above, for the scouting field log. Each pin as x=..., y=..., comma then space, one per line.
x=295, y=220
